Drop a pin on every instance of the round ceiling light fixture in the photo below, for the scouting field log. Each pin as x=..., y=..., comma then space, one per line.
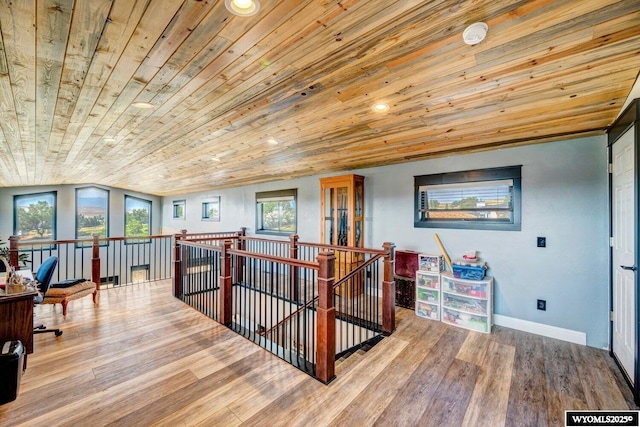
x=380, y=107
x=475, y=33
x=142, y=105
x=242, y=7
x=272, y=141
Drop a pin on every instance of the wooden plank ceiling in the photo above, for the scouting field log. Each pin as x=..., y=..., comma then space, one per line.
x=304, y=73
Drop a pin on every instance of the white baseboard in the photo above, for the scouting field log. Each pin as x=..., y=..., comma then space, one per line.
x=569, y=335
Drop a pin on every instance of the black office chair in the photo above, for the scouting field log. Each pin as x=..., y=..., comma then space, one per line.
x=43, y=282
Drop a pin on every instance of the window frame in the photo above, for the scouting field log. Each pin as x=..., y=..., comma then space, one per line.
x=277, y=194
x=129, y=240
x=470, y=177
x=54, y=215
x=106, y=216
x=205, y=211
x=177, y=204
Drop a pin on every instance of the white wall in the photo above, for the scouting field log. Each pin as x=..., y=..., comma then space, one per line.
x=564, y=197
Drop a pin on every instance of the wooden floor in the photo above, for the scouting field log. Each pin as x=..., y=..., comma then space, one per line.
x=143, y=358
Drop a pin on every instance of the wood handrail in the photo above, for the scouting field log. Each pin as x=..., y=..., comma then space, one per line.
x=89, y=240
x=287, y=261
x=352, y=273
x=264, y=239
x=344, y=248
x=199, y=245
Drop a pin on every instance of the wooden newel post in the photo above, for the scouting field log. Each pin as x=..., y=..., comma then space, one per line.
x=389, y=290
x=293, y=274
x=326, y=325
x=242, y=245
x=177, y=265
x=95, y=260
x=225, y=285
x=13, y=252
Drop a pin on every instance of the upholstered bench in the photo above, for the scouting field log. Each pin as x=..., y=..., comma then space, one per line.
x=66, y=291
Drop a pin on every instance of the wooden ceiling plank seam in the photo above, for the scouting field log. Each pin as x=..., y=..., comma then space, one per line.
x=527, y=48
x=629, y=20
x=526, y=120
x=470, y=70
x=121, y=23
x=511, y=13
x=480, y=117
x=539, y=28
x=284, y=6
x=14, y=161
x=154, y=21
x=239, y=50
x=519, y=91
x=329, y=137
x=519, y=47
x=18, y=26
x=567, y=65
x=394, y=118
x=442, y=37
x=201, y=42
x=491, y=129
x=178, y=30
x=87, y=26
x=53, y=19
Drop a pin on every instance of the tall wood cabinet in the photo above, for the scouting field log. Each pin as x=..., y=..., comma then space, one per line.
x=342, y=224
x=342, y=205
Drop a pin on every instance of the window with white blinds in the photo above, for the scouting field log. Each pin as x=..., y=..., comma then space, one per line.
x=479, y=199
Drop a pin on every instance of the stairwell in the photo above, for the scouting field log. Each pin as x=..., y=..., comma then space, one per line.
x=350, y=359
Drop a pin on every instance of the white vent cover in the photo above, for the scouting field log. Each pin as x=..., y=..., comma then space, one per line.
x=475, y=33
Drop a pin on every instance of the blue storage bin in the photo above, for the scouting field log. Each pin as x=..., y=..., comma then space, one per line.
x=469, y=272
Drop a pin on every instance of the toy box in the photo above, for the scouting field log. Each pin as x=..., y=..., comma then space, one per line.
x=463, y=269
x=430, y=262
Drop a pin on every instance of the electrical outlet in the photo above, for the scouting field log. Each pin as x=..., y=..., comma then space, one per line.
x=542, y=304
x=542, y=242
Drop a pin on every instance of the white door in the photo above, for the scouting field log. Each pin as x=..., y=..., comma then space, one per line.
x=624, y=231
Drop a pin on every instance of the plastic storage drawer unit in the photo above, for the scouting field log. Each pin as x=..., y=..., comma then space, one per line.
x=11, y=363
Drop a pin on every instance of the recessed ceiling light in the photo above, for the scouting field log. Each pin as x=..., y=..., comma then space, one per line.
x=215, y=159
x=243, y=7
x=143, y=105
x=109, y=139
x=380, y=107
x=475, y=33
x=272, y=141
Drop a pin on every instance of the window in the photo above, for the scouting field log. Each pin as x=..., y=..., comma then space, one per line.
x=211, y=209
x=137, y=218
x=487, y=199
x=92, y=212
x=276, y=212
x=178, y=209
x=35, y=216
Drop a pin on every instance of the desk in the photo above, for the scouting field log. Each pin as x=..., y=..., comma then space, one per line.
x=16, y=319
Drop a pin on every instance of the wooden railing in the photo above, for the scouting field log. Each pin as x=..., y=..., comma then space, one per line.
x=286, y=302
x=109, y=262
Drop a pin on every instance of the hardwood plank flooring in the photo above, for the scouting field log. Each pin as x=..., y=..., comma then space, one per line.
x=143, y=358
